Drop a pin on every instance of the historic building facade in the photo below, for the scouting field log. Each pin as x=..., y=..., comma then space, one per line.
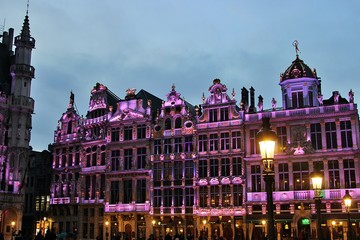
x=16, y=108
x=141, y=165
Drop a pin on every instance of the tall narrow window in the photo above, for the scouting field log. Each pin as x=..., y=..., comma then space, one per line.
x=178, y=145
x=225, y=167
x=157, y=197
x=214, y=142
x=178, y=122
x=203, y=192
x=334, y=174
x=141, y=191
x=224, y=114
x=236, y=166
x=315, y=132
x=115, y=133
x=127, y=191
x=128, y=133
x=178, y=197
x=167, y=146
x=189, y=169
x=238, y=195
x=114, y=192
x=331, y=139
x=301, y=176
x=214, y=196
x=141, y=158
x=236, y=140
x=214, y=167
x=202, y=168
x=202, y=143
x=297, y=99
x=213, y=115
x=284, y=177
x=115, y=160
x=141, y=131
x=157, y=147
x=128, y=154
x=224, y=141
x=349, y=173
x=346, y=134
x=254, y=146
x=225, y=195
x=188, y=144
x=255, y=178
x=167, y=124
x=282, y=138
x=167, y=197
x=189, y=197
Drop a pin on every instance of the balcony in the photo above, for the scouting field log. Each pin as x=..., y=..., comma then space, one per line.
x=128, y=207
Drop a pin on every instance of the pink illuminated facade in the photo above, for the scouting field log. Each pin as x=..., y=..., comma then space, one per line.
x=142, y=165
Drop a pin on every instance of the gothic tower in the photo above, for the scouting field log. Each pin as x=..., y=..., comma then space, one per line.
x=16, y=108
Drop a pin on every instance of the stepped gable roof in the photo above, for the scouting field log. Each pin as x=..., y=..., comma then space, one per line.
x=298, y=69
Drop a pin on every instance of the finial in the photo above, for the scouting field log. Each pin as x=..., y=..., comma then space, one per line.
x=296, y=45
x=173, y=87
x=27, y=8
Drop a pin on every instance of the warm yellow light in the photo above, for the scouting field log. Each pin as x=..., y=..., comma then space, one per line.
x=12, y=223
x=204, y=221
x=347, y=199
x=267, y=138
x=333, y=223
x=107, y=223
x=153, y=222
x=263, y=222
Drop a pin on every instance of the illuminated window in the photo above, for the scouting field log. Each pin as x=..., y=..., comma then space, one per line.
x=334, y=174
x=349, y=173
x=255, y=178
x=301, y=176
x=283, y=176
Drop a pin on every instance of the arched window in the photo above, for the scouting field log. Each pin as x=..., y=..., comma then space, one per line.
x=178, y=122
x=167, y=124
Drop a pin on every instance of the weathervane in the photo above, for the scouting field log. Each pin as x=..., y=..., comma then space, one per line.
x=296, y=44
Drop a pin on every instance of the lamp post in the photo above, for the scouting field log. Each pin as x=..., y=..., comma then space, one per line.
x=317, y=178
x=12, y=229
x=204, y=230
x=267, y=138
x=107, y=230
x=347, y=201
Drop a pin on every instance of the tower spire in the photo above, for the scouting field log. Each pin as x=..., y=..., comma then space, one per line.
x=27, y=8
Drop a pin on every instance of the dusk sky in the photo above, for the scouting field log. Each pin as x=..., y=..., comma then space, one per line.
x=151, y=45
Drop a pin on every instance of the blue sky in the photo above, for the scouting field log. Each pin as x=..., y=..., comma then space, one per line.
x=150, y=45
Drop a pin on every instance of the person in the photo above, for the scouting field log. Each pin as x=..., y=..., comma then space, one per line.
x=39, y=236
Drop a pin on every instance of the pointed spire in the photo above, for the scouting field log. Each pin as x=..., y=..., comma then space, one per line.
x=25, y=31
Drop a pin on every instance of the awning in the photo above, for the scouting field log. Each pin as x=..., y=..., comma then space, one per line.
x=214, y=219
x=225, y=219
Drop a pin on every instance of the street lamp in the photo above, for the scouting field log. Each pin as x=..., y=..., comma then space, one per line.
x=267, y=138
x=107, y=230
x=13, y=229
x=347, y=201
x=316, y=179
